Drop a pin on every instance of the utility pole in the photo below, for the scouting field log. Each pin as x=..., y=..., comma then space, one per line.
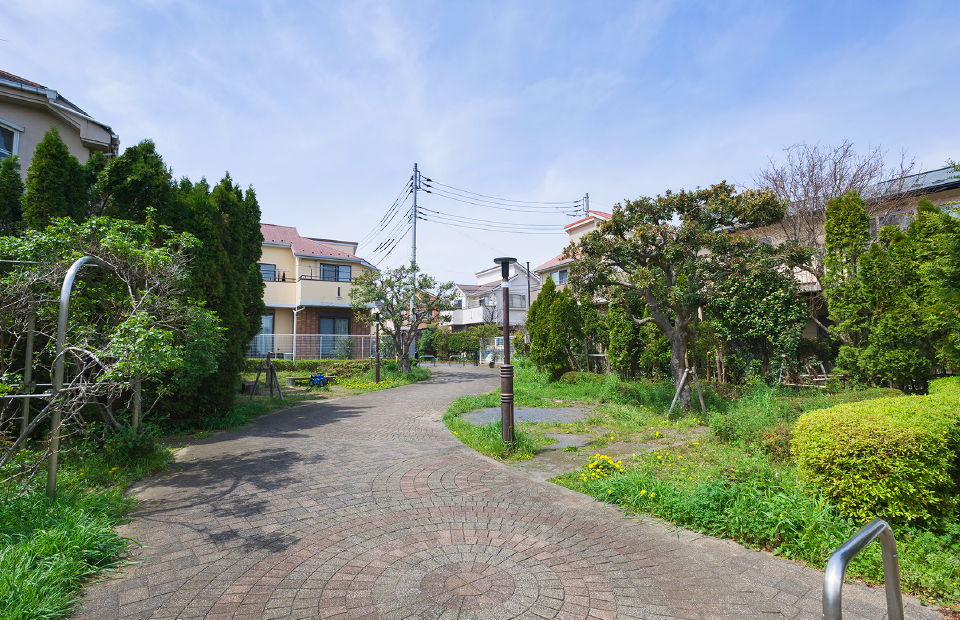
x=413, y=252
x=586, y=205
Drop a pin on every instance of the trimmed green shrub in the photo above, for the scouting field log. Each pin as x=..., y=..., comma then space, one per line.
x=346, y=368
x=894, y=458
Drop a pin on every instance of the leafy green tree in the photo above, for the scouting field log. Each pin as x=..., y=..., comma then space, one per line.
x=11, y=196
x=129, y=320
x=846, y=238
x=57, y=183
x=758, y=312
x=670, y=250
x=394, y=288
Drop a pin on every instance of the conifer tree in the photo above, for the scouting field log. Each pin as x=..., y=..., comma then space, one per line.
x=11, y=196
x=847, y=237
x=538, y=323
x=57, y=184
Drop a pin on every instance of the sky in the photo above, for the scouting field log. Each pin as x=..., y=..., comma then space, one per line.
x=324, y=107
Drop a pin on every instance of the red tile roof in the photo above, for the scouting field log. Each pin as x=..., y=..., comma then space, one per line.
x=553, y=262
x=300, y=245
x=591, y=215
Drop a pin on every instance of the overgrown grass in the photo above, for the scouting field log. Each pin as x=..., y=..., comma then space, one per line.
x=488, y=439
x=726, y=490
x=49, y=549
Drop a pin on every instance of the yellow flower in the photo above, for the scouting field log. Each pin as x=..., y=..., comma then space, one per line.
x=643, y=492
x=653, y=495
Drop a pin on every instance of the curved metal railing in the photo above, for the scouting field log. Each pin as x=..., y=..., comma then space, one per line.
x=837, y=566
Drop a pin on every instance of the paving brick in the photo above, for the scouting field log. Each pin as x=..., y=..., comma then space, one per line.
x=366, y=507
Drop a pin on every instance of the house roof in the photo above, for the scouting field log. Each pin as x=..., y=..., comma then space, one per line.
x=473, y=289
x=591, y=215
x=554, y=262
x=302, y=246
x=15, y=80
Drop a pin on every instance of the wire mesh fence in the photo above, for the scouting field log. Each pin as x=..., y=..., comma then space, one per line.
x=318, y=346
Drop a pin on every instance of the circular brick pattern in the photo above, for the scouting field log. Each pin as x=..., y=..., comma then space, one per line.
x=468, y=585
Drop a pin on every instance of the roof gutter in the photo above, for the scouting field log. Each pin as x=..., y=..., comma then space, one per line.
x=51, y=96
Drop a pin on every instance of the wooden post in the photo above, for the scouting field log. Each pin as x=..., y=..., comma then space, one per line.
x=683, y=380
x=696, y=381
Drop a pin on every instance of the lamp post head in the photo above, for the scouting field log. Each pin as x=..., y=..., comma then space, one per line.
x=504, y=263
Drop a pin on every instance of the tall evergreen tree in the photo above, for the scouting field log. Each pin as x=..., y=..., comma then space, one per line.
x=898, y=351
x=11, y=197
x=846, y=238
x=538, y=323
x=57, y=184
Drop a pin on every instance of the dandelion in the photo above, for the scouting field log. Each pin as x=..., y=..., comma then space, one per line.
x=643, y=492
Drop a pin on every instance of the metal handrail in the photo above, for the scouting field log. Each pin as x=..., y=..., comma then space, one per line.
x=837, y=566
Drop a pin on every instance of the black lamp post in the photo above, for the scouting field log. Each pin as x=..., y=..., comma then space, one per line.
x=506, y=370
x=378, y=306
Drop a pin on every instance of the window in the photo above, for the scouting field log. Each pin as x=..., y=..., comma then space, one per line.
x=269, y=272
x=559, y=277
x=329, y=273
x=518, y=301
x=9, y=140
x=459, y=304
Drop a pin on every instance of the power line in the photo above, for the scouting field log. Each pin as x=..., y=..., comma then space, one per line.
x=481, y=221
x=517, y=209
x=390, y=214
x=507, y=228
x=529, y=202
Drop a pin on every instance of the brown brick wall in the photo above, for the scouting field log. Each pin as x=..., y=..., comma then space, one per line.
x=308, y=320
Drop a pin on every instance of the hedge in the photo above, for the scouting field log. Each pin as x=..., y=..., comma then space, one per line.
x=895, y=458
x=337, y=367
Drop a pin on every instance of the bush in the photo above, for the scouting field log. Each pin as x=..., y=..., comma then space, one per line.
x=576, y=377
x=338, y=367
x=894, y=458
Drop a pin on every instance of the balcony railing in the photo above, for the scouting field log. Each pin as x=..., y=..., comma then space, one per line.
x=318, y=346
x=518, y=302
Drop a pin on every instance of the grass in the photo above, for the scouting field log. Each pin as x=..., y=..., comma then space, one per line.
x=735, y=481
x=488, y=439
x=49, y=549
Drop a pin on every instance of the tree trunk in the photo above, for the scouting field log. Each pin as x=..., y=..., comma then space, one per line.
x=678, y=355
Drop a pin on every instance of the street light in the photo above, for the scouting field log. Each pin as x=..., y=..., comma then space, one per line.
x=506, y=370
x=378, y=306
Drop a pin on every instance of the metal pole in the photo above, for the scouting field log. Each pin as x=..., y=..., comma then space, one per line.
x=65, y=291
x=837, y=566
x=28, y=368
x=377, y=371
x=506, y=370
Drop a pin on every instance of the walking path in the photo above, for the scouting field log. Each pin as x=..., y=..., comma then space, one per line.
x=366, y=507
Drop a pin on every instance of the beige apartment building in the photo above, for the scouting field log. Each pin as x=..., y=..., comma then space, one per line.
x=307, y=295
x=28, y=110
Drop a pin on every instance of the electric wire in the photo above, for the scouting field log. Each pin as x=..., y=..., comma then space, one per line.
x=389, y=215
x=509, y=228
x=482, y=221
x=529, y=202
x=571, y=209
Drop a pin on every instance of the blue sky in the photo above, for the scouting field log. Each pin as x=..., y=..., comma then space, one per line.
x=324, y=106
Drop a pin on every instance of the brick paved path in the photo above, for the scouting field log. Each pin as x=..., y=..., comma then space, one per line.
x=366, y=507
